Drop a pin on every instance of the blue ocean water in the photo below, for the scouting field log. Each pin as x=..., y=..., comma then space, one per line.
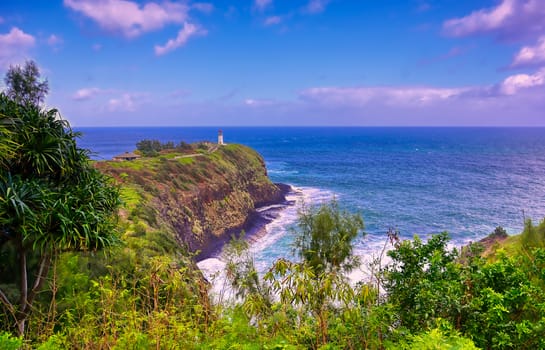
x=465, y=181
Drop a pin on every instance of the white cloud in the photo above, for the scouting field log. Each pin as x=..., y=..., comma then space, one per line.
x=54, y=40
x=188, y=30
x=407, y=97
x=112, y=100
x=473, y=105
x=509, y=19
x=258, y=102
x=316, y=6
x=272, y=20
x=125, y=103
x=482, y=20
x=515, y=83
x=16, y=37
x=86, y=93
x=204, y=7
x=129, y=18
x=261, y=5
x=389, y=95
x=531, y=55
x=14, y=46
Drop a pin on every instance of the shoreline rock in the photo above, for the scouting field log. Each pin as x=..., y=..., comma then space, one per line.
x=255, y=223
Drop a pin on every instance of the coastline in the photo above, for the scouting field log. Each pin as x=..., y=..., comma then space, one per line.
x=254, y=226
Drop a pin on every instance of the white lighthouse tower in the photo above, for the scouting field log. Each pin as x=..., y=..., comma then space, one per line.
x=220, y=137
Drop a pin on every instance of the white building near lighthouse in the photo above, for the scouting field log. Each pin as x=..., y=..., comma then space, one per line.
x=220, y=137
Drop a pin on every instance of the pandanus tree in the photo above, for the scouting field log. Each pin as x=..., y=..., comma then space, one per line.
x=51, y=200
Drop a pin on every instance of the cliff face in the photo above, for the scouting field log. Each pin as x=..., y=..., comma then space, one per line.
x=201, y=198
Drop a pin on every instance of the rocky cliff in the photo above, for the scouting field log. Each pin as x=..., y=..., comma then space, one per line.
x=202, y=198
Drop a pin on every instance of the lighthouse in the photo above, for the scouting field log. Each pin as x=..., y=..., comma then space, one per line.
x=220, y=137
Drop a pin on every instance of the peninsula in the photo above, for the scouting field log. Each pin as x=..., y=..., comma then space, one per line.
x=202, y=194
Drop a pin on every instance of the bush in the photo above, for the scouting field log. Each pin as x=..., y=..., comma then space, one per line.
x=424, y=282
x=8, y=342
x=152, y=148
x=435, y=339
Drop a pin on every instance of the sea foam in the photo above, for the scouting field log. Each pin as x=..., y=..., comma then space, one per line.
x=273, y=242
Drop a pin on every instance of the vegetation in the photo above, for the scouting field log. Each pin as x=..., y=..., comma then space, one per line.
x=64, y=284
x=199, y=197
x=324, y=239
x=152, y=148
x=24, y=85
x=146, y=293
x=435, y=299
x=533, y=236
x=51, y=199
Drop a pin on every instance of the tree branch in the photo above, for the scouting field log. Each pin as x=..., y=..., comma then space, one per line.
x=23, y=289
x=21, y=314
x=45, y=264
x=7, y=303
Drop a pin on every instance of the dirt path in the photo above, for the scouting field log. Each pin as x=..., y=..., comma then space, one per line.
x=210, y=151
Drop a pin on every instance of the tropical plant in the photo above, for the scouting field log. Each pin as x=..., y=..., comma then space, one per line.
x=324, y=238
x=149, y=148
x=424, y=282
x=435, y=339
x=8, y=342
x=51, y=200
x=242, y=273
x=498, y=304
x=318, y=284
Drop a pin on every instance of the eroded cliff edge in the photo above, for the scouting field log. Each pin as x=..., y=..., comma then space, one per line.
x=201, y=198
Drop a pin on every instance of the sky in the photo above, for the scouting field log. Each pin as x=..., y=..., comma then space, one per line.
x=284, y=62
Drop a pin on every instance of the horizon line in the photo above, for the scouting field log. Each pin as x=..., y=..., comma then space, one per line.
x=309, y=126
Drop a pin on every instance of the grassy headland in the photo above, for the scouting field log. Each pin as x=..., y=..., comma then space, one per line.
x=202, y=195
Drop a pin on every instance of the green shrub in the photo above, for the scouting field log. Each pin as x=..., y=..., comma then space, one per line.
x=435, y=339
x=55, y=342
x=9, y=342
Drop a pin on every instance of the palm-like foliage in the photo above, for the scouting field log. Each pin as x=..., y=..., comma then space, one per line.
x=51, y=199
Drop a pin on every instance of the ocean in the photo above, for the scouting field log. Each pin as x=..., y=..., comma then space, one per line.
x=465, y=181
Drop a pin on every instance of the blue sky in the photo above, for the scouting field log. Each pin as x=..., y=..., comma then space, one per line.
x=280, y=62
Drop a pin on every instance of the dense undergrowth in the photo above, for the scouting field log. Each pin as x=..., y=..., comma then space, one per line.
x=146, y=293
